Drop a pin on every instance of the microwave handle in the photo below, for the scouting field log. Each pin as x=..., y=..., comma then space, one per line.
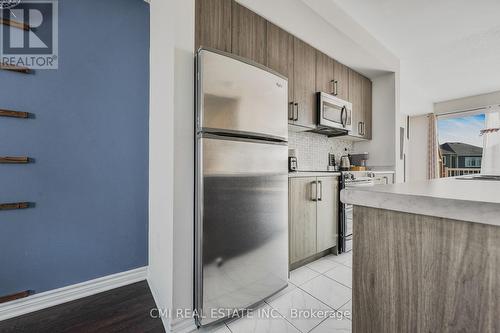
x=343, y=120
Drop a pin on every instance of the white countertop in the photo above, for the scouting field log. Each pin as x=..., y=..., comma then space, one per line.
x=313, y=174
x=466, y=200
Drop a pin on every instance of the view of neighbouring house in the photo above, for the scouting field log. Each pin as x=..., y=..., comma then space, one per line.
x=461, y=155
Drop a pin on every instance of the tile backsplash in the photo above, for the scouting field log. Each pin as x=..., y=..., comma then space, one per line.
x=312, y=149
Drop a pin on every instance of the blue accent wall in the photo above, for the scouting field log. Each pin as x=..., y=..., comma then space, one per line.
x=89, y=139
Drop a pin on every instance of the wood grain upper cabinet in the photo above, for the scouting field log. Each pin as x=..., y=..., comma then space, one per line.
x=280, y=58
x=355, y=97
x=360, y=95
x=302, y=218
x=248, y=34
x=324, y=73
x=327, y=213
x=304, y=83
x=213, y=24
x=341, y=77
x=366, y=97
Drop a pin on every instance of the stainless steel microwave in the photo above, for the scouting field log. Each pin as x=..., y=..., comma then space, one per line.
x=334, y=115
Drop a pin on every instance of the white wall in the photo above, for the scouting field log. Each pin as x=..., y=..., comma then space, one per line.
x=171, y=156
x=184, y=157
x=418, y=152
x=161, y=153
x=401, y=118
x=381, y=146
x=387, y=119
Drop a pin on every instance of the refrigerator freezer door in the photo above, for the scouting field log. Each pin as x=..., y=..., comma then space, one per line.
x=242, y=224
x=238, y=97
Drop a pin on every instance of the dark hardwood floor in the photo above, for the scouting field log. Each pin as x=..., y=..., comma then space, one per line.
x=124, y=309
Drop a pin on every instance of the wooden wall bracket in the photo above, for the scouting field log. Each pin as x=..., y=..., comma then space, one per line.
x=14, y=160
x=15, y=205
x=13, y=114
x=15, y=68
x=15, y=24
x=15, y=296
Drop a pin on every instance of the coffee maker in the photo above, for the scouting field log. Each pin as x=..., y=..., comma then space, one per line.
x=292, y=160
x=332, y=165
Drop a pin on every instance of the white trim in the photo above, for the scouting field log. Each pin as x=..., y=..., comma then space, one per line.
x=186, y=325
x=468, y=103
x=62, y=295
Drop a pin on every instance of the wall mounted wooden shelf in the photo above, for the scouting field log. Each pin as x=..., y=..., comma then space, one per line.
x=13, y=114
x=14, y=205
x=14, y=68
x=14, y=160
x=15, y=296
x=15, y=24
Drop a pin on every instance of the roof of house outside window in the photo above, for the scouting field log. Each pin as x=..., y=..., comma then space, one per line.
x=460, y=149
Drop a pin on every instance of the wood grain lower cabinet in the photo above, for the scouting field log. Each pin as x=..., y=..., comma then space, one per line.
x=313, y=216
x=213, y=24
x=248, y=34
x=302, y=218
x=416, y=273
x=327, y=214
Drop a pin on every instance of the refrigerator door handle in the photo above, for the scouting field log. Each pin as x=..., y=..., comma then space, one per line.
x=290, y=111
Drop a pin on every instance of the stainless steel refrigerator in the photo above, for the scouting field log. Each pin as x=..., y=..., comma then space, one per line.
x=241, y=227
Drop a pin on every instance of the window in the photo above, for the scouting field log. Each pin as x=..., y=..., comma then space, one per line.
x=473, y=162
x=461, y=141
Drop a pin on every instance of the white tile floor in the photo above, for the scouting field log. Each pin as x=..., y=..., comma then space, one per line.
x=321, y=285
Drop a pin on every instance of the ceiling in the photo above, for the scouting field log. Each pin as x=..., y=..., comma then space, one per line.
x=448, y=48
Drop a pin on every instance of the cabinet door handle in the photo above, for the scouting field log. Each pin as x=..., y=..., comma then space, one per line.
x=290, y=111
x=296, y=112
x=361, y=128
x=320, y=184
x=335, y=87
x=314, y=191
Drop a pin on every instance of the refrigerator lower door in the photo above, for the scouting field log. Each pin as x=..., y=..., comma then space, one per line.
x=242, y=225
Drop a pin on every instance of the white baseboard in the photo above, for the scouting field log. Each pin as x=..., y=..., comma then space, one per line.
x=62, y=295
x=186, y=325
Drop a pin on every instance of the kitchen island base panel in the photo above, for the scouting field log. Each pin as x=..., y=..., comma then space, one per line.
x=415, y=273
